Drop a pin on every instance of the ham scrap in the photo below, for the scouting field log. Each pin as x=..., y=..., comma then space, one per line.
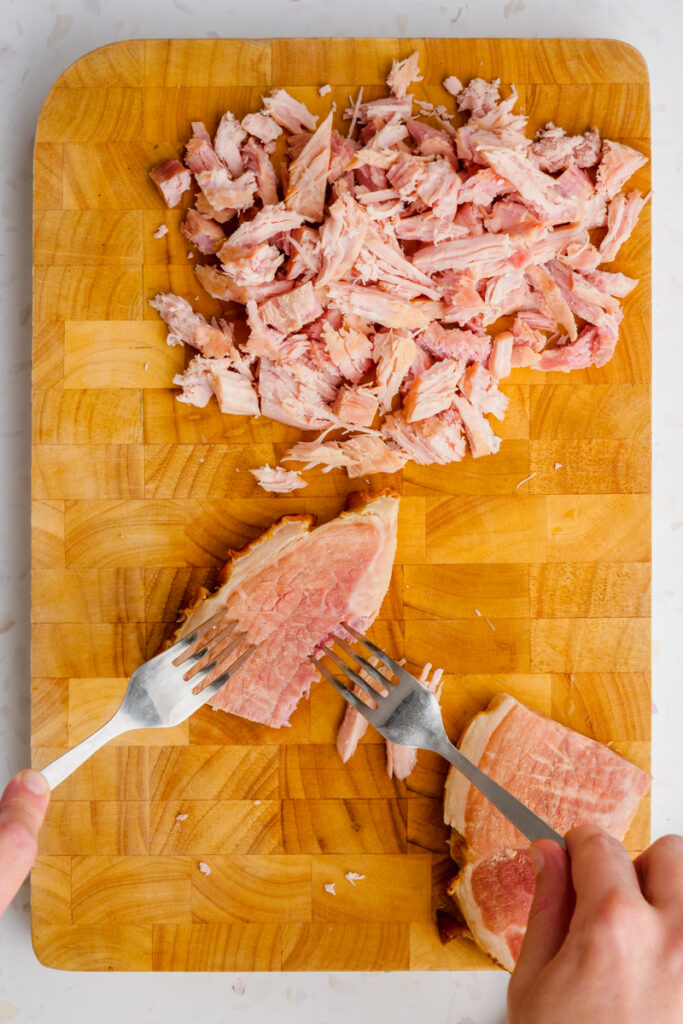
x=565, y=777
x=292, y=588
x=381, y=273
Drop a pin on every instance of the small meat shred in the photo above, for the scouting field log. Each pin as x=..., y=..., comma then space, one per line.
x=403, y=73
x=433, y=390
x=172, y=179
x=352, y=877
x=365, y=274
x=277, y=480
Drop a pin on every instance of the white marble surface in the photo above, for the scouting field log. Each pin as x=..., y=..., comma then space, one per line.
x=38, y=39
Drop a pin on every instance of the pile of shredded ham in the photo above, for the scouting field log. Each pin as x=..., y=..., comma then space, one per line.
x=389, y=279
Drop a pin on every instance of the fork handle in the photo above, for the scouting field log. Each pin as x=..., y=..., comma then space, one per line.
x=521, y=816
x=63, y=766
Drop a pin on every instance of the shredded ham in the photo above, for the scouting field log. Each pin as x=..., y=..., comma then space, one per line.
x=371, y=272
x=277, y=480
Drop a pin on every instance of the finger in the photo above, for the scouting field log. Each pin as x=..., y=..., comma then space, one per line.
x=660, y=872
x=549, y=917
x=600, y=867
x=22, y=811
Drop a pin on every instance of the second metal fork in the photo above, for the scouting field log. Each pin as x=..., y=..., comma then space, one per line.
x=161, y=693
x=408, y=714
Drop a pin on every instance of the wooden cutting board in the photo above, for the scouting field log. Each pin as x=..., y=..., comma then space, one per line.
x=526, y=572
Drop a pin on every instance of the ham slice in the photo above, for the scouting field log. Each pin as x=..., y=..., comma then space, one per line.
x=292, y=588
x=565, y=777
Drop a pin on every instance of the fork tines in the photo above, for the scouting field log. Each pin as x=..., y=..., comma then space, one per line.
x=368, y=679
x=209, y=645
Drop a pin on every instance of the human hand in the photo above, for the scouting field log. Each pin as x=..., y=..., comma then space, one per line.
x=605, y=936
x=22, y=810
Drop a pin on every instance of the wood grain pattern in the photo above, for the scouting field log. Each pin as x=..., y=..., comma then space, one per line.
x=527, y=572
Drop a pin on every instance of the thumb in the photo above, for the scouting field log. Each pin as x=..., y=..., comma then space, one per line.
x=22, y=810
x=549, y=917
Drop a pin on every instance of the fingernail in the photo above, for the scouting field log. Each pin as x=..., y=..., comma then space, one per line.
x=34, y=782
x=537, y=859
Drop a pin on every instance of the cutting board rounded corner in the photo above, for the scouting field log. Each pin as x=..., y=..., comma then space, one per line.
x=632, y=54
x=124, y=54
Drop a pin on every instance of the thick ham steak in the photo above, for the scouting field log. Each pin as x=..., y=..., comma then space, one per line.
x=291, y=588
x=565, y=777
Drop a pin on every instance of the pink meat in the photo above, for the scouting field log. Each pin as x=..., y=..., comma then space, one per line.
x=229, y=137
x=203, y=206
x=184, y=325
x=393, y=352
x=464, y=301
x=361, y=455
x=611, y=283
x=224, y=192
x=553, y=303
x=432, y=141
x=234, y=393
x=293, y=116
x=349, y=349
x=480, y=387
x=479, y=97
x=501, y=353
x=355, y=405
x=428, y=236
x=203, y=232
x=538, y=189
x=256, y=159
x=292, y=588
x=485, y=256
x=565, y=777
x=277, y=480
x=195, y=382
x=617, y=165
x=403, y=73
x=172, y=179
x=269, y=221
x=428, y=227
x=295, y=393
x=341, y=238
x=383, y=109
x=308, y=174
x=381, y=260
x=483, y=187
x=305, y=257
x=454, y=343
x=262, y=127
x=291, y=310
x=480, y=436
x=341, y=154
x=509, y=217
x=433, y=390
x=622, y=215
x=257, y=266
x=437, y=440
x=554, y=150
x=381, y=307
x=199, y=153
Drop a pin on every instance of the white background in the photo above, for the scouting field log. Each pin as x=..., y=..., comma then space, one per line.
x=38, y=40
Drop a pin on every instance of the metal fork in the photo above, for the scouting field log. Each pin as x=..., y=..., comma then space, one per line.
x=161, y=693
x=408, y=714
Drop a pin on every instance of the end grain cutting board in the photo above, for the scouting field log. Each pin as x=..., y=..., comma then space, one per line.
x=137, y=499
